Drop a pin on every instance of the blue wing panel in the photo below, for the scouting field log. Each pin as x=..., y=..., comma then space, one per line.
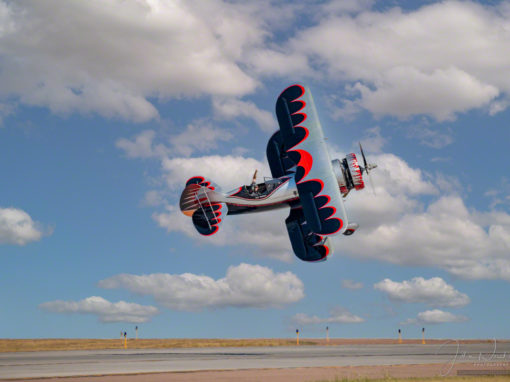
x=279, y=162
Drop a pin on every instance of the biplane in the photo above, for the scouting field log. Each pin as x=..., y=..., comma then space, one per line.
x=304, y=179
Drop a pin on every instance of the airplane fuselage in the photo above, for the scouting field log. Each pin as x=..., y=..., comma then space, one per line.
x=272, y=194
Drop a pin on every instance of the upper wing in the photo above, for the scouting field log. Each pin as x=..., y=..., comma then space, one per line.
x=304, y=144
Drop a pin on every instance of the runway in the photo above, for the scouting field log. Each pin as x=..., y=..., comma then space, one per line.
x=104, y=362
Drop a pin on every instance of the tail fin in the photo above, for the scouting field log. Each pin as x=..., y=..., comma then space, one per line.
x=202, y=201
x=198, y=190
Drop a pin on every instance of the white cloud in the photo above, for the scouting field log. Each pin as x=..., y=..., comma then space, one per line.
x=436, y=139
x=109, y=57
x=340, y=7
x=402, y=66
x=373, y=141
x=265, y=233
x=226, y=171
x=105, y=310
x=498, y=106
x=398, y=226
x=395, y=225
x=6, y=109
x=351, y=284
x=406, y=91
x=199, y=136
x=154, y=49
x=435, y=316
x=17, y=227
x=230, y=108
x=396, y=185
x=434, y=291
x=336, y=316
x=142, y=146
x=446, y=235
x=282, y=62
x=153, y=198
x=243, y=286
x=394, y=174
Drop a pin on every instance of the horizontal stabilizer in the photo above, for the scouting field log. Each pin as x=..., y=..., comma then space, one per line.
x=208, y=217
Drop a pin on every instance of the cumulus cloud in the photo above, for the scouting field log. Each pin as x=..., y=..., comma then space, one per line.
x=105, y=310
x=351, y=284
x=5, y=110
x=153, y=198
x=265, y=234
x=397, y=187
x=436, y=139
x=399, y=65
x=229, y=108
x=17, y=227
x=435, y=316
x=396, y=225
x=199, y=136
x=336, y=316
x=227, y=171
x=244, y=286
x=141, y=146
x=406, y=91
x=446, y=235
x=393, y=60
x=56, y=55
x=373, y=141
x=434, y=291
x=419, y=219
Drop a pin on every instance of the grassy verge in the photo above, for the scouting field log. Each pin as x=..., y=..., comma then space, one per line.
x=17, y=345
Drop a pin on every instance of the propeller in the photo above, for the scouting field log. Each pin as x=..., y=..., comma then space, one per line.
x=367, y=167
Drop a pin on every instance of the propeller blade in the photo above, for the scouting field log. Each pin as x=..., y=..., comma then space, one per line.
x=368, y=167
x=364, y=159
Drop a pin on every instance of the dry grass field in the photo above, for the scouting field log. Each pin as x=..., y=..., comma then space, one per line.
x=17, y=345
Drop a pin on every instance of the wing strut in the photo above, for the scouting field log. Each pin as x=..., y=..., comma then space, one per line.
x=202, y=207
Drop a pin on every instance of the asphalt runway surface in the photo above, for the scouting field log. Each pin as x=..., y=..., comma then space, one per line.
x=134, y=361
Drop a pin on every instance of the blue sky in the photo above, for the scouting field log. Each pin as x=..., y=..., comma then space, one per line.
x=107, y=107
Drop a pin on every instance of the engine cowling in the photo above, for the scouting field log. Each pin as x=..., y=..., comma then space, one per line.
x=349, y=174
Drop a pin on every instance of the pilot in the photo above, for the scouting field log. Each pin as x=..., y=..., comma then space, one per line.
x=254, y=188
